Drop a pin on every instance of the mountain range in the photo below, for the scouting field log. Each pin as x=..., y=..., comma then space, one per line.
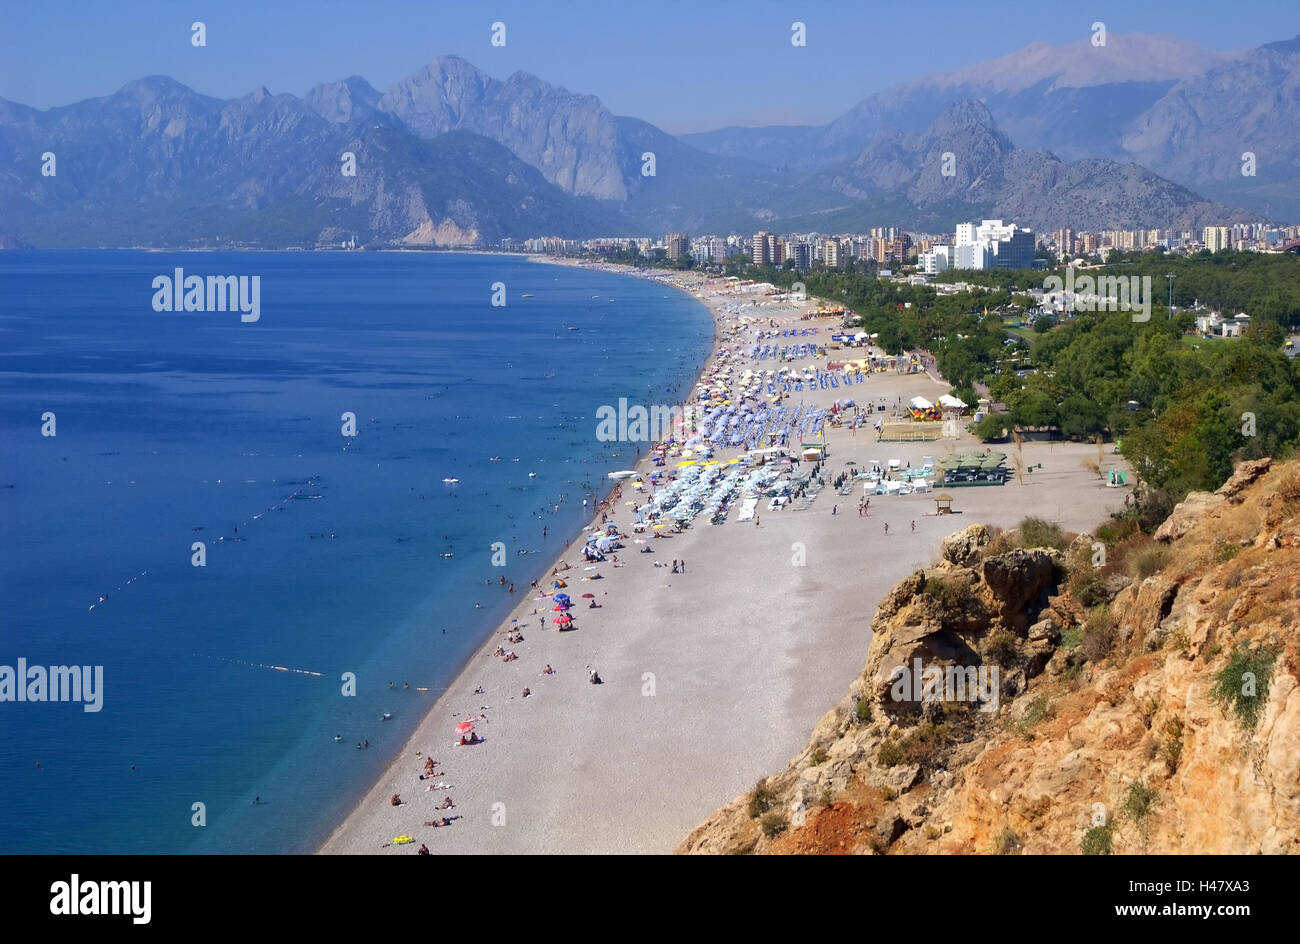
x=453, y=156
x=1184, y=112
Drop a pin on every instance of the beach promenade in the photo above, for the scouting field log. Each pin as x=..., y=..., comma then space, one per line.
x=711, y=677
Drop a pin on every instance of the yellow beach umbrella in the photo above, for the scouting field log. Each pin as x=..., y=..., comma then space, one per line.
x=682, y=465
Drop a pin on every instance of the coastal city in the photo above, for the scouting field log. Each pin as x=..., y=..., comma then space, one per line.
x=981, y=245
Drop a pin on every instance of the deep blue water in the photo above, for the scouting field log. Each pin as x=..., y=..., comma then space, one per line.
x=177, y=427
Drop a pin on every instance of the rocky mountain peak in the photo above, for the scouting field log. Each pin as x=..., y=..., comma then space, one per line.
x=341, y=102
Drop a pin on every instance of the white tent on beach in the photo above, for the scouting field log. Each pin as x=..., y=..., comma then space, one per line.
x=920, y=403
x=949, y=402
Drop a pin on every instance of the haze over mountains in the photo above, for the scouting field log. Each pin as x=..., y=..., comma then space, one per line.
x=1181, y=111
x=1050, y=137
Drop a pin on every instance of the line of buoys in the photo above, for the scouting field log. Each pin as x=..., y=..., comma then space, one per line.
x=263, y=665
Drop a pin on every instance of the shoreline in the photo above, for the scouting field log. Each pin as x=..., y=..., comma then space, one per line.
x=710, y=681
x=601, y=501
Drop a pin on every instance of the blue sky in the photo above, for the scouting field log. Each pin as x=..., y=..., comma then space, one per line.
x=685, y=66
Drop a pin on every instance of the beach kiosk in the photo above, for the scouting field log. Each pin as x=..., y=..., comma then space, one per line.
x=943, y=504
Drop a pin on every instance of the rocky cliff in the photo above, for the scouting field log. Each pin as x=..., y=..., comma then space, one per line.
x=1110, y=693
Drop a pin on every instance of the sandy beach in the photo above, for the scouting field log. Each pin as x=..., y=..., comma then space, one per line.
x=712, y=677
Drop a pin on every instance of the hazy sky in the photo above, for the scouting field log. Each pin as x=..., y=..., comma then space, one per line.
x=685, y=66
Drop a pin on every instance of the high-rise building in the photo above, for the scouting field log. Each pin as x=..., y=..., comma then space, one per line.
x=1215, y=238
x=970, y=256
x=831, y=253
x=762, y=250
x=935, y=260
x=677, y=244
x=993, y=244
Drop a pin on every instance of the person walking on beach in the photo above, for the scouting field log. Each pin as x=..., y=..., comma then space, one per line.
x=914, y=527
x=683, y=566
x=886, y=527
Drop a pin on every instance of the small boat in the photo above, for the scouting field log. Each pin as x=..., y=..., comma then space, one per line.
x=452, y=481
x=572, y=328
x=494, y=459
x=532, y=475
x=526, y=295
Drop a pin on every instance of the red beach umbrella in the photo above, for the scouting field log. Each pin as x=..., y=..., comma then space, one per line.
x=588, y=596
x=465, y=727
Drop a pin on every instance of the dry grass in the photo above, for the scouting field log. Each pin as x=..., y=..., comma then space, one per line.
x=1288, y=487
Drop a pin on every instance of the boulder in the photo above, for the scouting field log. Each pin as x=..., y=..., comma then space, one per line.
x=963, y=547
x=1020, y=582
x=1244, y=476
x=1187, y=514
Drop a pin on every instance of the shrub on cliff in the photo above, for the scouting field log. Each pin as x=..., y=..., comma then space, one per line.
x=773, y=823
x=1241, y=686
x=1098, y=634
x=951, y=594
x=760, y=800
x=1086, y=584
x=1002, y=647
x=1006, y=842
x=1149, y=560
x=1097, y=840
x=1035, y=532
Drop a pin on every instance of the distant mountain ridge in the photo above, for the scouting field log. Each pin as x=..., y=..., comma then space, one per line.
x=453, y=156
x=1184, y=112
x=991, y=176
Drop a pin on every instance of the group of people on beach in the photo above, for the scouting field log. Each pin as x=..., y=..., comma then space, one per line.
x=604, y=513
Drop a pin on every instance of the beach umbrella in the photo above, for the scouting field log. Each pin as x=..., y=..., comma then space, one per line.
x=561, y=598
x=465, y=727
x=588, y=596
x=559, y=607
x=559, y=583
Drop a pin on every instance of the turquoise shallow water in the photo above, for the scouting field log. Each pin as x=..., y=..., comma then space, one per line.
x=176, y=427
